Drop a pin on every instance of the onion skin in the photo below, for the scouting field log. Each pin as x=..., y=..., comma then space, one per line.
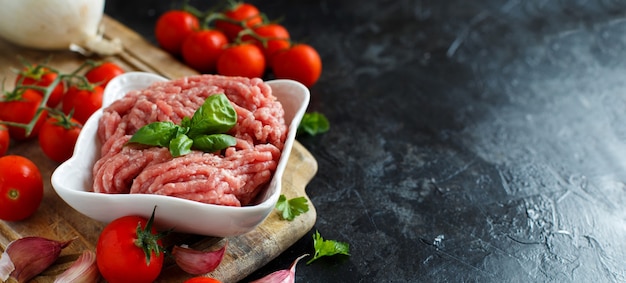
x=52, y=24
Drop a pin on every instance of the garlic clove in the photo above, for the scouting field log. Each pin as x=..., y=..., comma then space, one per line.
x=197, y=262
x=32, y=255
x=6, y=266
x=83, y=270
x=282, y=276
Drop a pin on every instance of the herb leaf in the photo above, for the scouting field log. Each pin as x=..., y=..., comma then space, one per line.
x=180, y=145
x=156, y=134
x=313, y=123
x=216, y=115
x=204, y=131
x=327, y=247
x=186, y=122
x=291, y=208
x=214, y=142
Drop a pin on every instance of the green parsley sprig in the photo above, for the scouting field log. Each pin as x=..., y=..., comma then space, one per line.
x=327, y=247
x=291, y=208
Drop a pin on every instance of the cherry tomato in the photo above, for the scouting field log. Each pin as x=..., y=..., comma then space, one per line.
x=245, y=60
x=275, y=38
x=58, y=136
x=201, y=279
x=21, y=188
x=300, y=62
x=202, y=48
x=83, y=100
x=4, y=139
x=36, y=75
x=173, y=27
x=21, y=107
x=122, y=249
x=241, y=12
x=101, y=74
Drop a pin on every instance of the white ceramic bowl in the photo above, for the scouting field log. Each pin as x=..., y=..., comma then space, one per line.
x=72, y=180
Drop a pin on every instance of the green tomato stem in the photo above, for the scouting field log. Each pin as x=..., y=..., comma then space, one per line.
x=14, y=194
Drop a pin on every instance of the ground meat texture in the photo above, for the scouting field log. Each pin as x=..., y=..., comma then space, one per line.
x=233, y=177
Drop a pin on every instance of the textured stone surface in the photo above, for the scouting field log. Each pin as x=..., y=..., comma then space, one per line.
x=480, y=141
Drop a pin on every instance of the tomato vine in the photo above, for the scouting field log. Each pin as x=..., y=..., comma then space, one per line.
x=74, y=77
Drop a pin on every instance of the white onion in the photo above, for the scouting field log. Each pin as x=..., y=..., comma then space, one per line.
x=56, y=25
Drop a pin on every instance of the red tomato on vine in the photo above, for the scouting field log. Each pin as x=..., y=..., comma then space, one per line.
x=58, y=136
x=245, y=60
x=102, y=73
x=129, y=249
x=275, y=37
x=173, y=27
x=237, y=16
x=4, y=140
x=36, y=75
x=300, y=62
x=21, y=107
x=202, y=48
x=83, y=100
x=21, y=188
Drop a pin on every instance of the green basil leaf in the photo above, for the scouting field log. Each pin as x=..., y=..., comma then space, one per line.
x=180, y=145
x=182, y=130
x=214, y=142
x=186, y=122
x=215, y=116
x=155, y=134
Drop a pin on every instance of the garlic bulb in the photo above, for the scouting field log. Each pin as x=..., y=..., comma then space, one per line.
x=56, y=25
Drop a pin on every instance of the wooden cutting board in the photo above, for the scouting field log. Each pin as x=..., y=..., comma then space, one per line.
x=56, y=220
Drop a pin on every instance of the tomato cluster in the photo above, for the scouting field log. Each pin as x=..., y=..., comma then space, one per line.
x=52, y=106
x=236, y=41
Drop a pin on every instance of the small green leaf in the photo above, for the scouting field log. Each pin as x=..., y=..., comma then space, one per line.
x=185, y=122
x=313, y=123
x=155, y=134
x=182, y=130
x=180, y=145
x=291, y=208
x=327, y=247
x=215, y=116
x=214, y=142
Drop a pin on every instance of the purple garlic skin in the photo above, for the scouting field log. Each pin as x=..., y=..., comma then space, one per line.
x=31, y=256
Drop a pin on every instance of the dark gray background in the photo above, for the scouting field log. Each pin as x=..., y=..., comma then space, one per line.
x=469, y=142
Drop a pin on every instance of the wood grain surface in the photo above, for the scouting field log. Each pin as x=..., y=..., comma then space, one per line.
x=56, y=220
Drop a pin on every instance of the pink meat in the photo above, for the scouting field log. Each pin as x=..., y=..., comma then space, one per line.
x=234, y=177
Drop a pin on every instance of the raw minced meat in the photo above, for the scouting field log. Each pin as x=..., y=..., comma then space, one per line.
x=233, y=177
